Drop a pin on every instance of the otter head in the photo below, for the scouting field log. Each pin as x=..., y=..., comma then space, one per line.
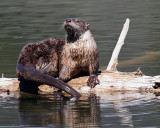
x=75, y=28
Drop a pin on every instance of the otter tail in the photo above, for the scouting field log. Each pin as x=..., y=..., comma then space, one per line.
x=30, y=73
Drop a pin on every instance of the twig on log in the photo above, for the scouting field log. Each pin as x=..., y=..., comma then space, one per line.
x=114, y=59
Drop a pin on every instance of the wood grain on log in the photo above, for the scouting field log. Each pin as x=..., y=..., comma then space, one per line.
x=117, y=81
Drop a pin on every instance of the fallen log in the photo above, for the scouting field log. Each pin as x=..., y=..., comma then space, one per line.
x=110, y=80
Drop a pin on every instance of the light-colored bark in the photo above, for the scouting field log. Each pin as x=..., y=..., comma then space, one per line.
x=114, y=59
x=118, y=81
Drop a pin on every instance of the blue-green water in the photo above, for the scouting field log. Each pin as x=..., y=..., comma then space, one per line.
x=92, y=110
x=27, y=21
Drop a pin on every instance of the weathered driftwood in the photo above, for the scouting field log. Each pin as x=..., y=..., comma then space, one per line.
x=116, y=81
x=112, y=66
x=110, y=80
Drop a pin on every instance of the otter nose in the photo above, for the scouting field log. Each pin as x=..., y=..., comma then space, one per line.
x=69, y=20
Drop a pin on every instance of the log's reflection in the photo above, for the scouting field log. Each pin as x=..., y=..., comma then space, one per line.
x=42, y=111
x=119, y=109
x=125, y=115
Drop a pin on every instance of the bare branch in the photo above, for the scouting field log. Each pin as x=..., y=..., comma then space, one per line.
x=114, y=59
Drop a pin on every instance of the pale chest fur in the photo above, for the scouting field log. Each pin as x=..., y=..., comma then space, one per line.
x=79, y=52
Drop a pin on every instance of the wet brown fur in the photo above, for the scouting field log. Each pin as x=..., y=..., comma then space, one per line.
x=43, y=56
x=62, y=59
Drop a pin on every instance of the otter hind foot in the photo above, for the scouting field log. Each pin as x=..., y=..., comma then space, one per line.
x=93, y=81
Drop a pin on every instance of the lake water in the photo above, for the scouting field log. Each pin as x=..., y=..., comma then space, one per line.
x=22, y=22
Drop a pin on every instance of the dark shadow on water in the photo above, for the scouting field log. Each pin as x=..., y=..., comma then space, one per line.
x=47, y=111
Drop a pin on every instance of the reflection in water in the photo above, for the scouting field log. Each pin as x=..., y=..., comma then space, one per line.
x=41, y=111
x=117, y=109
x=127, y=109
x=124, y=114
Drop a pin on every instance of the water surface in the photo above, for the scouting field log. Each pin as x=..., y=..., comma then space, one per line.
x=92, y=110
x=22, y=22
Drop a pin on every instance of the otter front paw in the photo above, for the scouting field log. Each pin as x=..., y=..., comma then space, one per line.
x=93, y=81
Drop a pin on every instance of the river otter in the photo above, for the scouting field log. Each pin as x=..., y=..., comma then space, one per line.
x=40, y=62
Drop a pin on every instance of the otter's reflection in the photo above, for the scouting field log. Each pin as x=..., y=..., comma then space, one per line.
x=45, y=111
